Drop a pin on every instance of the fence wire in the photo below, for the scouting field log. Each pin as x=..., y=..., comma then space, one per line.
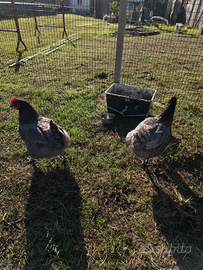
x=63, y=50
x=55, y=34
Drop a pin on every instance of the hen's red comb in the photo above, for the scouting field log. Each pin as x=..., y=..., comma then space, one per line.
x=174, y=95
x=14, y=98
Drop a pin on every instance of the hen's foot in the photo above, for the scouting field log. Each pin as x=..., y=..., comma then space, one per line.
x=29, y=160
x=145, y=162
x=64, y=158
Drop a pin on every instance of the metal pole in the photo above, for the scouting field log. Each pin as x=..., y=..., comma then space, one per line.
x=120, y=39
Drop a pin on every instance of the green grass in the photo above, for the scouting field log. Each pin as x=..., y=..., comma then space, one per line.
x=101, y=209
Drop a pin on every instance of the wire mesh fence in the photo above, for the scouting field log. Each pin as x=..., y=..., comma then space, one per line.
x=162, y=59
x=154, y=54
x=60, y=57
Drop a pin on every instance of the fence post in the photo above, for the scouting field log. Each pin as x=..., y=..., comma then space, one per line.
x=35, y=18
x=120, y=39
x=17, y=26
x=64, y=24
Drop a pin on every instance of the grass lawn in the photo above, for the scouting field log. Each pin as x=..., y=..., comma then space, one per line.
x=101, y=210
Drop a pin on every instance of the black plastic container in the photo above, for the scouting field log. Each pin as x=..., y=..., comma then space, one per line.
x=129, y=100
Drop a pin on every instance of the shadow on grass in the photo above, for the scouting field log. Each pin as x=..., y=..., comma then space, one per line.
x=169, y=149
x=52, y=220
x=123, y=125
x=181, y=33
x=20, y=56
x=178, y=212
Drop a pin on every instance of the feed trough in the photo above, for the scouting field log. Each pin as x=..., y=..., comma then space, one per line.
x=129, y=100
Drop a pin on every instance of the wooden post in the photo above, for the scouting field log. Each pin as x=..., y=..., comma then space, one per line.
x=35, y=18
x=191, y=13
x=17, y=26
x=141, y=11
x=168, y=9
x=197, y=19
x=64, y=25
x=120, y=39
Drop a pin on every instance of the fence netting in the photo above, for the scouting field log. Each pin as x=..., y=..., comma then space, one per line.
x=163, y=44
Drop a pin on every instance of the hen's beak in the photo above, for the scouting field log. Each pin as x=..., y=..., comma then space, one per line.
x=14, y=106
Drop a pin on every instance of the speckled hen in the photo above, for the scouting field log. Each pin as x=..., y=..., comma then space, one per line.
x=43, y=138
x=148, y=137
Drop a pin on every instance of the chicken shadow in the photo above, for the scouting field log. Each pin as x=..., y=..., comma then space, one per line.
x=123, y=125
x=52, y=221
x=20, y=54
x=169, y=148
x=179, y=217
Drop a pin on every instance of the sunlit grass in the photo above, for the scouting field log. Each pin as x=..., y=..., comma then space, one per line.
x=99, y=209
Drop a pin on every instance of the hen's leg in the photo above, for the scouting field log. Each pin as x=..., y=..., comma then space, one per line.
x=29, y=160
x=145, y=162
x=63, y=157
